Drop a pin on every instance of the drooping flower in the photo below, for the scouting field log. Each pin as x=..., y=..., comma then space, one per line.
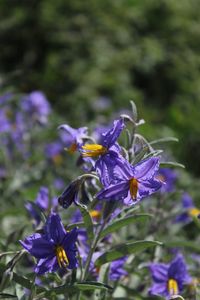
x=55, y=248
x=71, y=137
x=117, y=270
x=134, y=182
x=169, y=177
x=37, y=105
x=107, y=152
x=70, y=194
x=169, y=279
x=190, y=211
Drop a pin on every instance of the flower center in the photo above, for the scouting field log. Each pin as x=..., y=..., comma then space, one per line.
x=72, y=148
x=133, y=186
x=194, y=212
x=93, y=150
x=95, y=214
x=172, y=287
x=61, y=257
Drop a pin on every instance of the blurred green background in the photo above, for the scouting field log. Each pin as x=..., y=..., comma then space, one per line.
x=85, y=53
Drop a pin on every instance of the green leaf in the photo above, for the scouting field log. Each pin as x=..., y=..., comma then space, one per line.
x=183, y=243
x=164, y=140
x=71, y=226
x=7, y=296
x=92, y=285
x=125, y=249
x=118, y=224
x=87, y=221
x=134, y=110
x=171, y=164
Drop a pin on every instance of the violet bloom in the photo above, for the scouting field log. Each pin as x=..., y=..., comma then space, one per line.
x=55, y=248
x=117, y=271
x=169, y=279
x=72, y=137
x=134, y=182
x=70, y=194
x=107, y=152
x=190, y=211
x=53, y=151
x=41, y=202
x=37, y=105
x=5, y=125
x=169, y=177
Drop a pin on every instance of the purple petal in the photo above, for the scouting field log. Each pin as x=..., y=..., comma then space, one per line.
x=146, y=169
x=114, y=192
x=159, y=289
x=146, y=188
x=49, y=264
x=187, y=201
x=28, y=242
x=111, y=136
x=159, y=272
x=178, y=271
x=42, y=248
x=54, y=229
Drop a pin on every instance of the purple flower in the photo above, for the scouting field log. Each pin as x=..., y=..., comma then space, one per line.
x=107, y=152
x=72, y=137
x=169, y=279
x=190, y=211
x=37, y=105
x=41, y=203
x=55, y=248
x=117, y=271
x=134, y=182
x=5, y=125
x=169, y=177
x=70, y=194
x=53, y=151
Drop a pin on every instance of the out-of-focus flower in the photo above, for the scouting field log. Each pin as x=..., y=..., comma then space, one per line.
x=169, y=279
x=101, y=104
x=53, y=152
x=42, y=203
x=5, y=125
x=58, y=183
x=37, y=105
x=55, y=248
x=169, y=177
x=107, y=152
x=190, y=211
x=117, y=271
x=71, y=137
x=134, y=182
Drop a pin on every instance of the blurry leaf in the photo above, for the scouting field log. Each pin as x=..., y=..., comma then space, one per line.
x=78, y=224
x=171, y=164
x=6, y=279
x=117, y=224
x=183, y=243
x=87, y=222
x=123, y=250
x=134, y=111
x=6, y=296
x=164, y=140
x=92, y=285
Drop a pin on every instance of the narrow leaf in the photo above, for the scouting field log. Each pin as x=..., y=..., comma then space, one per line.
x=125, y=249
x=118, y=224
x=7, y=296
x=171, y=164
x=164, y=140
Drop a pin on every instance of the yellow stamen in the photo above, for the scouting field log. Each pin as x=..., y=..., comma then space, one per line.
x=57, y=159
x=93, y=150
x=133, y=185
x=194, y=212
x=95, y=214
x=61, y=257
x=72, y=148
x=172, y=287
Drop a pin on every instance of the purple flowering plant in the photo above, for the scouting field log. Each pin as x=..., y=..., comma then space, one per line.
x=110, y=221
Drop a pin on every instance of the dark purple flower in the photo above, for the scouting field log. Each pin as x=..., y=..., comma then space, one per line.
x=107, y=152
x=190, y=211
x=169, y=177
x=134, y=182
x=117, y=271
x=169, y=279
x=55, y=248
x=37, y=105
x=72, y=137
x=70, y=194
